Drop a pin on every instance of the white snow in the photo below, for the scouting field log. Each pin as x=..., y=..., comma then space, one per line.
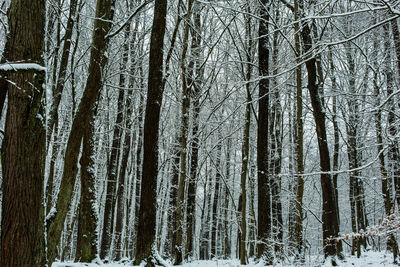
x=370, y=258
x=21, y=66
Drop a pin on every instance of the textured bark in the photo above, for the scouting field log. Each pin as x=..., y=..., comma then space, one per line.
x=330, y=223
x=264, y=203
x=23, y=151
x=86, y=247
x=336, y=147
x=148, y=201
x=184, y=131
x=80, y=123
x=276, y=150
x=298, y=227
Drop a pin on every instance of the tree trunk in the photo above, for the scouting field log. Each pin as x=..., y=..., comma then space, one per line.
x=23, y=150
x=264, y=195
x=386, y=182
x=243, y=175
x=80, y=123
x=184, y=131
x=298, y=228
x=195, y=75
x=330, y=224
x=86, y=247
x=215, y=208
x=148, y=201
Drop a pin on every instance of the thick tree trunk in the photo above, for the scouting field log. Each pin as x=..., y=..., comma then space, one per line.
x=264, y=195
x=23, y=150
x=86, y=247
x=80, y=123
x=148, y=201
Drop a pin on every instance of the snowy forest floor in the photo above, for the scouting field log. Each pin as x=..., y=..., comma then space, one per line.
x=370, y=258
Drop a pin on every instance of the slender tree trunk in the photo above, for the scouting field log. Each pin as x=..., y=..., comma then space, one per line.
x=336, y=147
x=121, y=180
x=184, y=132
x=195, y=85
x=215, y=208
x=23, y=150
x=393, y=154
x=298, y=230
x=243, y=175
x=112, y=170
x=276, y=150
x=62, y=71
x=80, y=123
x=330, y=223
x=227, y=245
x=148, y=201
x=386, y=182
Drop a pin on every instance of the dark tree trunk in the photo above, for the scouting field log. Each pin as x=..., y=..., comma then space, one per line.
x=215, y=207
x=86, y=247
x=330, y=223
x=195, y=89
x=243, y=174
x=184, y=132
x=23, y=150
x=148, y=201
x=80, y=123
x=264, y=194
x=276, y=151
x=298, y=227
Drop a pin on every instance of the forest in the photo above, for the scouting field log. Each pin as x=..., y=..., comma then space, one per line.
x=159, y=133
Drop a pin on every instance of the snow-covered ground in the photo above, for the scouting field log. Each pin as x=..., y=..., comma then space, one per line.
x=370, y=258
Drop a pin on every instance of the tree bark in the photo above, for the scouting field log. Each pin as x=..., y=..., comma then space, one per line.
x=243, y=175
x=148, y=201
x=264, y=202
x=23, y=150
x=86, y=247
